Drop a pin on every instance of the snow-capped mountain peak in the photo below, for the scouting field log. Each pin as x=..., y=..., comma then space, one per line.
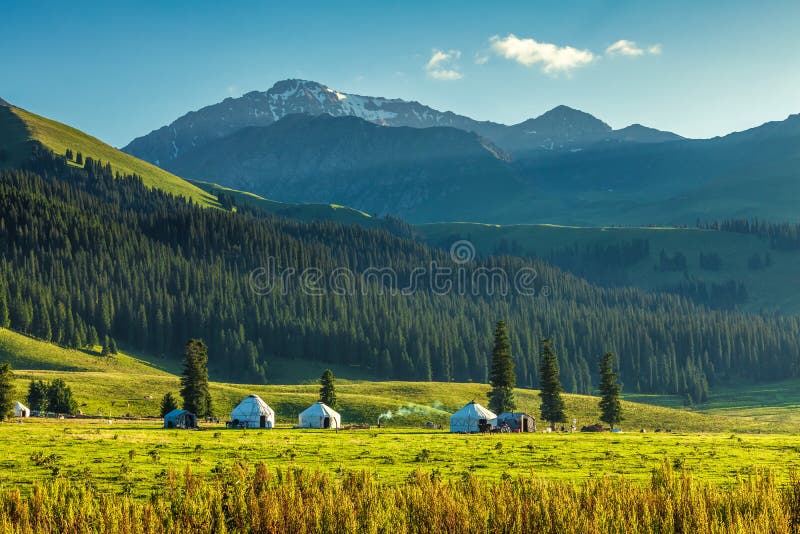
x=560, y=128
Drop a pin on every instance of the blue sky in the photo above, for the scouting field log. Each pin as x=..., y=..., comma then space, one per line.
x=120, y=69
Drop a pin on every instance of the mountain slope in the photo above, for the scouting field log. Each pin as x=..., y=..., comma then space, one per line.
x=301, y=212
x=420, y=174
x=18, y=128
x=287, y=97
x=755, y=173
x=103, y=256
x=606, y=256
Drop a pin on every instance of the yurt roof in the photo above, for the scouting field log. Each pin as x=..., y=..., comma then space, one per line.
x=475, y=410
x=320, y=408
x=508, y=415
x=253, y=405
x=177, y=412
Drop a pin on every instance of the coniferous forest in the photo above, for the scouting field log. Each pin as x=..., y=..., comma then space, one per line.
x=89, y=256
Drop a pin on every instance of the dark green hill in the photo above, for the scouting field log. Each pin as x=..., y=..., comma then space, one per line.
x=104, y=256
x=755, y=173
x=426, y=174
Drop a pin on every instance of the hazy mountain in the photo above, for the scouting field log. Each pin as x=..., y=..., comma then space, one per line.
x=559, y=128
x=440, y=174
x=423, y=174
x=755, y=173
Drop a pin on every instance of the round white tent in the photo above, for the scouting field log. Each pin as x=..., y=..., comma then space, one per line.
x=20, y=410
x=470, y=417
x=319, y=415
x=253, y=412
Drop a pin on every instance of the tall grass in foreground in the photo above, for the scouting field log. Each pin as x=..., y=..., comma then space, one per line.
x=240, y=499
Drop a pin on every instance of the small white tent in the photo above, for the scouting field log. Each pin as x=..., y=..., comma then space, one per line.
x=320, y=415
x=20, y=410
x=470, y=417
x=253, y=412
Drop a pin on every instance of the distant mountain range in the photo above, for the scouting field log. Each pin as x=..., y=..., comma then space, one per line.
x=420, y=173
x=559, y=128
x=304, y=142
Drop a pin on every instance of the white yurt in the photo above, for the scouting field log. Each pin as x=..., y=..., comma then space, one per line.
x=20, y=410
x=319, y=415
x=253, y=412
x=470, y=417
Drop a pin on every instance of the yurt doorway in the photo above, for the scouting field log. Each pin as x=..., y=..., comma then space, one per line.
x=263, y=422
x=326, y=423
x=525, y=424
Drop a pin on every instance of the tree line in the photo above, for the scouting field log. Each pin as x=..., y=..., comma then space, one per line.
x=781, y=236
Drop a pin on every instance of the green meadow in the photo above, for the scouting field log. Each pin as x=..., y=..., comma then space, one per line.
x=125, y=386
x=113, y=455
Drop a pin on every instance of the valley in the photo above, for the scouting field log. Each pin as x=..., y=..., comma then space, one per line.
x=505, y=268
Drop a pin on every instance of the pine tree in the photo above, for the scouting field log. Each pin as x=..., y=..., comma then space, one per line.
x=5, y=320
x=112, y=346
x=327, y=391
x=503, y=380
x=194, y=381
x=552, y=409
x=610, y=389
x=59, y=398
x=168, y=403
x=6, y=390
x=106, y=347
x=37, y=396
x=79, y=159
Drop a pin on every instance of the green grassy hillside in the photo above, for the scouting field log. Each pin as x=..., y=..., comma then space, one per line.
x=303, y=212
x=18, y=127
x=122, y=385
x=766, y=288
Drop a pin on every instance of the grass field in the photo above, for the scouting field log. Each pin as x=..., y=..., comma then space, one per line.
x=18, y=126
x=122, y=385
x=111, y=455
x=767, y=289
x=281, y=494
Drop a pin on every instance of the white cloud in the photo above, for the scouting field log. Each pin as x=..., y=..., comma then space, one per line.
x=529, y=52
x=442, y=65
x=623, y=47
x=481, y=58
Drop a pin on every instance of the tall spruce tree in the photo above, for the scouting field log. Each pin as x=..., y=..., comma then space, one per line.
x=5, y=320
x=502, y=379
x=6, y=390
x=610, y=389
x=37, y=396
x=327, y=390
x=194, y=381
x=168, y=403
x=552, y=408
